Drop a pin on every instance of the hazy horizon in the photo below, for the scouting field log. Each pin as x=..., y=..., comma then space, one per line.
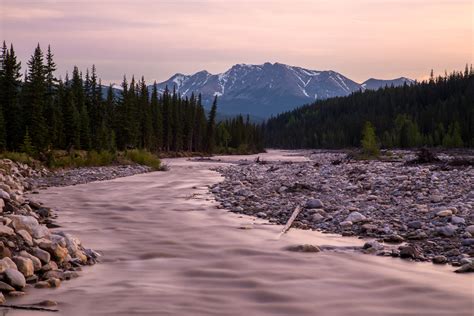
x=383, y=39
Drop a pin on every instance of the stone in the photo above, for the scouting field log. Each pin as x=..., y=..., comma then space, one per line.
x=23, y=222
x=355, y=217
x=373, y=244
x=414, y=224
x=9, y=263
x=446, y=231
x=57, y=274
x=470, y=229
x=317, y=218
x=4, y=195
x=468, y=242
x=36, y=262
x=303, y=248
x=24, y=265
x=49, y=266
x=54, y=282
x=4, y=287
x=469, y=267
x=26, y=237
x=6, y=231
x=439, y=260
x=456, y=220
x=47, y=303
x=409, y=251
x=369, y=227
x=42, y=285
x=444, y=213
x=2, y=299
x=394, y=238
x=345, y=224
x=15, y=278
x=41, y=231
x=41, y=254
x=314, y=203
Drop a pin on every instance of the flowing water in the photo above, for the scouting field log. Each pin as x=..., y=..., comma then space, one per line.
x=167, y=250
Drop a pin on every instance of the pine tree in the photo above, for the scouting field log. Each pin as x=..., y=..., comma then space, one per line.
x=27, y=146
x=157, y=119
x=10, y=83
x=211, y=124
x=34, y=109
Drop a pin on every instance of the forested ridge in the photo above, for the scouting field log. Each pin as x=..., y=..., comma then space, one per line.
x=436, y=112
x=39, y=112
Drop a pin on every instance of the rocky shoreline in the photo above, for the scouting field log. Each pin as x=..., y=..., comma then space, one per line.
x=31, y=254
x=67, y=177
x=421, y=212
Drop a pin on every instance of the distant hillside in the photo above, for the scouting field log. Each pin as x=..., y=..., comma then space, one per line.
x=374, y=84
x=435, y=113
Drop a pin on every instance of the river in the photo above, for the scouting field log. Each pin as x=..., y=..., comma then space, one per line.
x=167, y=250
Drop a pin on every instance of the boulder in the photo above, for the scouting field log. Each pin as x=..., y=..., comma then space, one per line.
x=41, y=254
x=6, y=231
x=36, y=262
x=4, y=195
x=8, y=263
x=54, y=282
x=26, y=237
x=24, y=265
x=4, y=287
x=15, y=278
x=49, y=266
x=27, y=223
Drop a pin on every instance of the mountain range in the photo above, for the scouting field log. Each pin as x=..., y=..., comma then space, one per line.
x=268, y=89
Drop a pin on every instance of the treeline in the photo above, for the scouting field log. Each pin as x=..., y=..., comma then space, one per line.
x=436, y=112
x=39, y=112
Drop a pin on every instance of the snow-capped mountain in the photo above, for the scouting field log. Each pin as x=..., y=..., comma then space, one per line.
x=265, y=90
x=262, y=90
x=375, y=84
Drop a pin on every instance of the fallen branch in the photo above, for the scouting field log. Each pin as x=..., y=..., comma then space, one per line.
x=290, y=221
x=29, y=307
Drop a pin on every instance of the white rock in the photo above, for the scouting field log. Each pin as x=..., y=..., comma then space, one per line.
x=355, y=217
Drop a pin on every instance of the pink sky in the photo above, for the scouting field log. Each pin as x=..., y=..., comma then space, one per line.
x=359, y=38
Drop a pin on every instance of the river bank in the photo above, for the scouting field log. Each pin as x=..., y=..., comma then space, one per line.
x=422, y=212
x=168, y=249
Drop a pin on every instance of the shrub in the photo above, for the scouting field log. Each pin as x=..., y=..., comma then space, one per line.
x=369, y=143
x=143, y=157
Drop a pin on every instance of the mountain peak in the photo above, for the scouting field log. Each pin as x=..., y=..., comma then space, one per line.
x=267, y=89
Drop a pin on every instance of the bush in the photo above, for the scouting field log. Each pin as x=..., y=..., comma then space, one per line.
x=143, y=157
x=369, y=143
x=18, y=157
